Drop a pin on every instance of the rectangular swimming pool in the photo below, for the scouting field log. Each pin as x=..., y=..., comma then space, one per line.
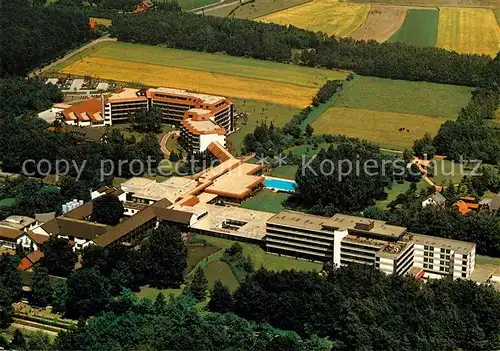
x=280, y=184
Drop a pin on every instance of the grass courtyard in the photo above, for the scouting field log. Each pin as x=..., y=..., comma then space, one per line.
x=397, y=189
x=219, y=270
x=261, y=258
x=266, y=200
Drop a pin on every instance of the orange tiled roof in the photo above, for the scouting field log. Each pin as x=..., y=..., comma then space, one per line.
x=37, y=238
x=86, y=111
x=25, y=264
x=28, y=261
x=462, y=207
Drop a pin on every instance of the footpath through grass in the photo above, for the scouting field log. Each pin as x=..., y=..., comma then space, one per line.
x=419, y=29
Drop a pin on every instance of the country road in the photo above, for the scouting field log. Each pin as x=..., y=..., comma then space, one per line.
x=71, y=54
x=215, y=6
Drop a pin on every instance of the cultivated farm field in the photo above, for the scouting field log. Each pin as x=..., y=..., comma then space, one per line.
x=281, y=84
x=419, y=98
x=467, y=30
x=251, y=10
x=389, y=129
x=392, y=113
x=382, y=22
x=214, y=63
x=435, y=3
x=192, y=4
x=192, y=80
x=419, y=28
x=330, y=17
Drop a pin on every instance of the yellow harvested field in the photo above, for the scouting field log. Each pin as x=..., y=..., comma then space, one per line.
x=327, y=16
x=385, y=128
x=197, y=81
x=468, y=30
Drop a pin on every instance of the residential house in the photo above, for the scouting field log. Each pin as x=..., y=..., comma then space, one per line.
x=435, y=199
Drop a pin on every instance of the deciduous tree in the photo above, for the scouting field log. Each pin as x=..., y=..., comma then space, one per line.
x=107, y=209
x=164, y=257
x=59, y=257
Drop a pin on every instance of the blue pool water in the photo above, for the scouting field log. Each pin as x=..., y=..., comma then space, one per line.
x=280, y=184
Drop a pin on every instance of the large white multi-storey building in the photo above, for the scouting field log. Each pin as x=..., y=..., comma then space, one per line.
x=348, y=239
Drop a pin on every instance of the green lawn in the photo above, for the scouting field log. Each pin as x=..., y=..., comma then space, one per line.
x=215, y=63
x=306, y=149
x=419, y=28
x=266, y=200
x=258, y=111
x=419, y=98
x=397, y=189
x=487, y=260
x=261, y=258
x=198, y=253
x=219, y=270
x=257, y=8
x=448, y=170
x=286, y=172
x=127, y=131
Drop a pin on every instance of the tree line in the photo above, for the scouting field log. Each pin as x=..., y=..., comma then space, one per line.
x=238, y=37
x=18, y=96
x=33, y=36
x=360, y=308
x=131, y=323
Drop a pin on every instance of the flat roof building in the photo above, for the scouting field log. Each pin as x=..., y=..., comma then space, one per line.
x=349, y=239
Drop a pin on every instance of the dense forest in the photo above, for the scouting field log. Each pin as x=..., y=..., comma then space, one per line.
x=33, y=36
x=274, y=42
x=18, y=96
x=41, y=143
x=360, y=308
x=132, y=324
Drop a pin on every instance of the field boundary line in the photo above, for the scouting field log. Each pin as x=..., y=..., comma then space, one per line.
x=417, y=7
x=212, y=72
x=318, y=111
x=364, y=20
x=283, y=9
x=105, y=38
